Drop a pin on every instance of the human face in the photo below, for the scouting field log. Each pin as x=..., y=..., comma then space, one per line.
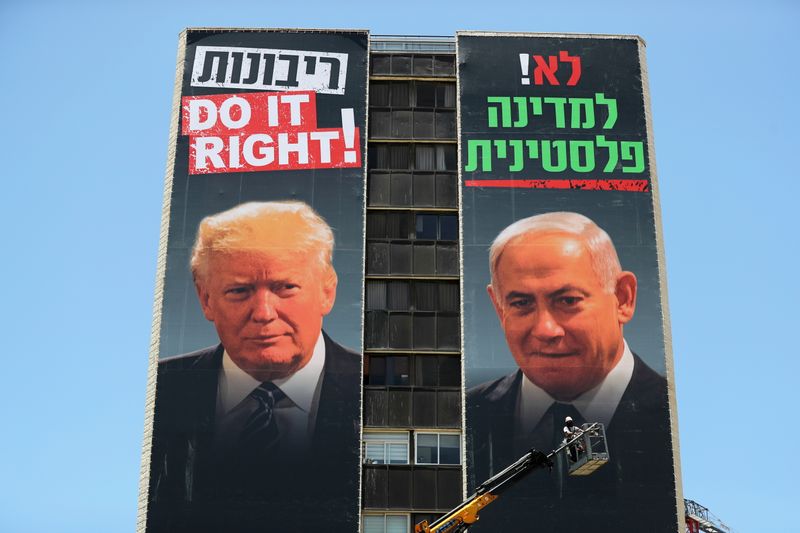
x=562, y=326
x=267, y=307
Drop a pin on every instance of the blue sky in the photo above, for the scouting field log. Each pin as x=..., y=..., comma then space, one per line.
x=86, y=95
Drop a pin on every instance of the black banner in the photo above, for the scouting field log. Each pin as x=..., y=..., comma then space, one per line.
x=560, y=256
x=257, y=358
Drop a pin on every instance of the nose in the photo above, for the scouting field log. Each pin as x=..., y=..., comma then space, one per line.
x=546, y=327
x=264, y=306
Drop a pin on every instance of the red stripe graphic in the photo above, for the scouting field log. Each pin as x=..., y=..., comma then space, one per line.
x=589, y=185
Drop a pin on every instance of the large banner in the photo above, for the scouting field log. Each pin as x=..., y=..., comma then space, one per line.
x=256, y=364
x=564, y=314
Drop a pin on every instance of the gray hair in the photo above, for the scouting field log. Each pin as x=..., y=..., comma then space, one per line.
x=249, y=226
x=602, y=253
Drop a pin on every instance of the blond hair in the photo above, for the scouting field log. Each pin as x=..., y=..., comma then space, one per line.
x=254, y=226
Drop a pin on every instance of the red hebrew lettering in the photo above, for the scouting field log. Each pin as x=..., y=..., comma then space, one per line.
x=547, y=70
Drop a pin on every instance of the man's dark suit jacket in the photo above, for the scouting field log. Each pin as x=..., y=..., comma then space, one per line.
x=634, y=492
x=194, y=490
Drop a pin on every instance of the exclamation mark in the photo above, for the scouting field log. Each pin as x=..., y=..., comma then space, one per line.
x=524, y=63
x=349, y=129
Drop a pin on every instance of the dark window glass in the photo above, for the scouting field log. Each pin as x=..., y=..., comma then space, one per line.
x=449, y=157
x=375, y=485
x=447, y=259
x=376, y=225
x=401, y=124
x=426, y=94
x=398, y=225
x=399, y=408
x=424, y=332
x=424, y=190
x=424, y=259
x=423, y=125
x=444, y=65
x=425, y=157
x=448, y=297
x=377, y=258
x=400, y=94
x=446, y=97
x=448, y=227
x=449, y=449
x=425, y=488
x=379, y=189
x=427, y=448
x=401, y=64
x=445, y=124
x=448, y=412
x=399, y=158
x=379, y=93
x=399, y=331
x=375, y=370
x=400, y=258
x=376, y=329
x=448, y=334
x=425, y=295
x=378, y=156
x=380, y=125
x=401, y=189
x=426, y=227
x=375, y=407
x=376, y=295
x=424, y=408
x=449, y=371
x=423, y=65
x=380, y=64
x=426, y=371
x=446, y=192
x=448, y=487
x=399, y=492
x=399, y=299
x=397, y=370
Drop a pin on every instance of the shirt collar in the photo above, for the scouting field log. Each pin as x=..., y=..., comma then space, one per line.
x=235, y=384
x=595, y=405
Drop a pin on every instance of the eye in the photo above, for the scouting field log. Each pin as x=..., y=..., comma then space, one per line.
x=520, y=303
x=286, y=288
x=569, y=301
x=238, y=292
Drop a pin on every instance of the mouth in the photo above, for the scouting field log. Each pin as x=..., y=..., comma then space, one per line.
x=554, y=355
x=265, y=339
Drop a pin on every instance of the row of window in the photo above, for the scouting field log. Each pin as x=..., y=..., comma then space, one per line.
x=384, y=448
x=405, y=225
x=394, y=522
x=412, y=259
x=413, y=65
x=412, y=370
x=412, y=94
x=418, y=190
x=404, y=331
x=418, y=157
x=408, y=124
x=412, y=487
x=404, y=295
x=412, y=408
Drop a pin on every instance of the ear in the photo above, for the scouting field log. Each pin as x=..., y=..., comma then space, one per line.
x=329, y=284
x=626, y=296
x=203, y=296
x=498, y=306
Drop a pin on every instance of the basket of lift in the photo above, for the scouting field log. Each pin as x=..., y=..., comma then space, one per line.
x=589, y=452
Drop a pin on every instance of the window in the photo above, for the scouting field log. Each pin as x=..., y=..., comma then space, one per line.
x=386, y=448
x=385, y=523
x=422, y=65
x=438, y=449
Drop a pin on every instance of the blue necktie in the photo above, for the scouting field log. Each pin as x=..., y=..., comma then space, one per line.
x=260, y=432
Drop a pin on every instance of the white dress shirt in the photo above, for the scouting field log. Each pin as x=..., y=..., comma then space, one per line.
x=294, y=414
x=595, y=405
